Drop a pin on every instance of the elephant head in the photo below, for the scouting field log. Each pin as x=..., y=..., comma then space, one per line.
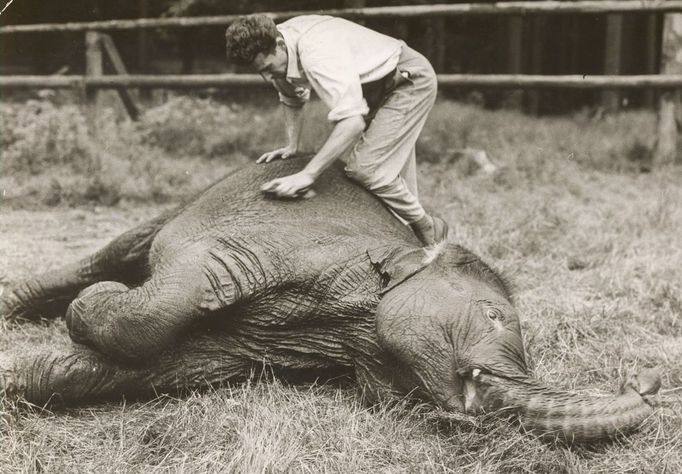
x=452, y=326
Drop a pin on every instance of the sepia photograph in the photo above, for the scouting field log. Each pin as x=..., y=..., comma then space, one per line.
x=341, y=236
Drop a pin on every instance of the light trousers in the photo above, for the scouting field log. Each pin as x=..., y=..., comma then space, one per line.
x=383, y=160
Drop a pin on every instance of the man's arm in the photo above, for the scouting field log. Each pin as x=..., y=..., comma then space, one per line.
x=344, y=134
x=331, y=72
x=293, y=124
x=293, y=121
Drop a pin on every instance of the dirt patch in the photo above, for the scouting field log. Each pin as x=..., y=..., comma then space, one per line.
x=33, y=242
x=36, y=241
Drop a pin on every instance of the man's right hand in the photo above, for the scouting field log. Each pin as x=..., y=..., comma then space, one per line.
x=283, y=153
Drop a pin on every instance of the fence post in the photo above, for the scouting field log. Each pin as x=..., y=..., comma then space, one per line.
x=651, y=51
x=93, y=66
x=143, y=47
x=538, y=31
x=669, y=109
x=612, y=59
x=515, y=57
x=120, y=69
x=355, y=4
x=438, y=43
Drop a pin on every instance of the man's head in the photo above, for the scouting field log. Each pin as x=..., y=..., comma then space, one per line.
x=254, y=41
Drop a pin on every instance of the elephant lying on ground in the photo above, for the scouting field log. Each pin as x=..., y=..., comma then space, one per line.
x=200, y=294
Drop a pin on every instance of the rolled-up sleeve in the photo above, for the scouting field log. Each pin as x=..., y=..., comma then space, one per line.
x=336, y=81
x=291, y=95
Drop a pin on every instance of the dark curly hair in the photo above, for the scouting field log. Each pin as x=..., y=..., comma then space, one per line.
x=248, y=36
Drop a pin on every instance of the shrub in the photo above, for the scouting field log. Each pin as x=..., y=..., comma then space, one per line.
x=183, y=126
x=52, y=155
x=183, y=143
x=38, y=135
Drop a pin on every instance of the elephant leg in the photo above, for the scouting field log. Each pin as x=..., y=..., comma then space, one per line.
x=377, y=380
x=73, y=373
x=136, y=324
x=47, y=295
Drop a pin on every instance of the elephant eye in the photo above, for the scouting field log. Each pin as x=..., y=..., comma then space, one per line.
x=494, y=314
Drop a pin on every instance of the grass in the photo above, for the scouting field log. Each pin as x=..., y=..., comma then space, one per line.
x=589, y=239
x=250, y=429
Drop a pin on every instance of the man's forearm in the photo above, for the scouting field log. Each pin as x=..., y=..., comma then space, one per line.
x=343, y=135
x=293, y=120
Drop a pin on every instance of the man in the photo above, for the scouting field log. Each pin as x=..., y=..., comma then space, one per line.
x=379, y=92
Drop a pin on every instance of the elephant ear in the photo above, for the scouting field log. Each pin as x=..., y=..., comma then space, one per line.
x=397, y=264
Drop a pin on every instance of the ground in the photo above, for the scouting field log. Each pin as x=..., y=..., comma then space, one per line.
x=589, y=240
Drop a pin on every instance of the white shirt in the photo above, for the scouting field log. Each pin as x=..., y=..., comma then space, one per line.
x=334, y=56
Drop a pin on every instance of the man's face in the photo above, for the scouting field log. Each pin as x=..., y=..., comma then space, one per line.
x=274, y=65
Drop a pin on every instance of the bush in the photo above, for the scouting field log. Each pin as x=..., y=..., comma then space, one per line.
x=52, y=155
x=183, y=126
x=38, y=135
x=182, y=144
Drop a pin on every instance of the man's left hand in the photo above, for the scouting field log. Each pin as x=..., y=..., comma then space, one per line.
x=291, y=186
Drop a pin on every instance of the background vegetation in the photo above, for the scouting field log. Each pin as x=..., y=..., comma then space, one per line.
x=53, y=151
x=575, y=216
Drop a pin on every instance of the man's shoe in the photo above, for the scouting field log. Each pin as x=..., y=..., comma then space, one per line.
x=440, y=232
x=431, y=231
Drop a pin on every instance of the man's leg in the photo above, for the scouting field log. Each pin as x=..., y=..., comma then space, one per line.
x=384, y=158
x=409, y=174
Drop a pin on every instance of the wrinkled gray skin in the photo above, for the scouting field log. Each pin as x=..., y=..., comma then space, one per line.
x=200, y=294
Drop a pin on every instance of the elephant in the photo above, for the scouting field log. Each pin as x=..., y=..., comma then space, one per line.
x=233, y=278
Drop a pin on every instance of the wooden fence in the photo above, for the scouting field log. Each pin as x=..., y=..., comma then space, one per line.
x=497, y=8
x=515, y=81
x=194, y=81
x=99, y=44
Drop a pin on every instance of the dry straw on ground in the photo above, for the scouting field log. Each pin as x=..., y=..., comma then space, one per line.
x=590, y=242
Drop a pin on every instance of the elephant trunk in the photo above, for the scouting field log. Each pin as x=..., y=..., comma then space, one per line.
x=562, y=415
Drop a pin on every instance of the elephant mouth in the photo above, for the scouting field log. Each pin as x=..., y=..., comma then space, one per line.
x=473, y=393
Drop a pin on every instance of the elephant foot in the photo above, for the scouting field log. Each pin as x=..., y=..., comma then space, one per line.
x=82, y=309
x=10, y=387
x=11, y=306
x=26, y=301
